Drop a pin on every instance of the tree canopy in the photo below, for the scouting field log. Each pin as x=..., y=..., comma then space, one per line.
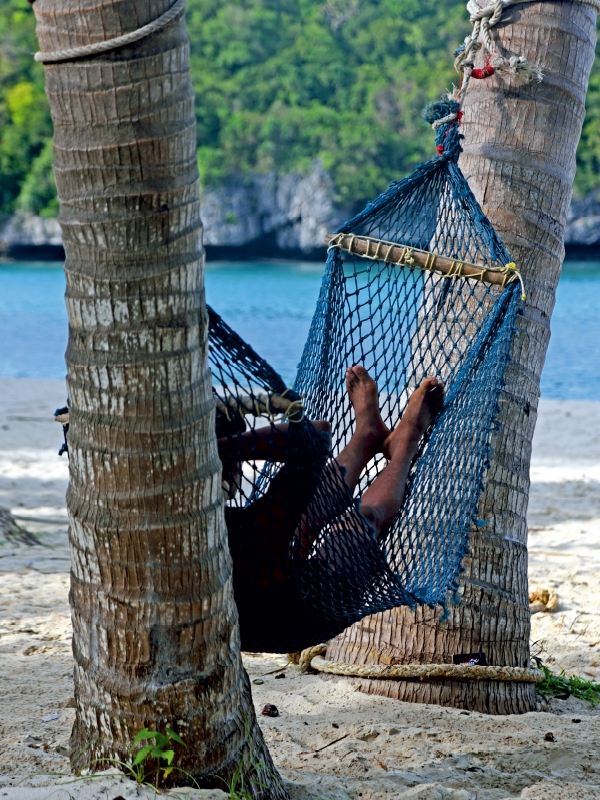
x=279, y=83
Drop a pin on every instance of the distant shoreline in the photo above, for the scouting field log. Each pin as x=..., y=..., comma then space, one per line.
x=254, y=251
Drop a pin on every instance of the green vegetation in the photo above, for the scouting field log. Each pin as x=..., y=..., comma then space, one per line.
x=278, y=84
x=155, y=758
x=25, y=126
x=564, y=686
x=150, y=760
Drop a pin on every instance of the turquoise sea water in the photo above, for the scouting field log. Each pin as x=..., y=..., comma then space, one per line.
x=270, y=304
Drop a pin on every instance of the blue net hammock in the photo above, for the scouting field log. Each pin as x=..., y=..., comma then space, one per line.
x=415, y=285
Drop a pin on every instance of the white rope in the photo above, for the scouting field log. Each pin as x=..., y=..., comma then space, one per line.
x=175, y=11
x=483, y=19
x=444, y=121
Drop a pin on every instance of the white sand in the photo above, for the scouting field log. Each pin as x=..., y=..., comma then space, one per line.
x=386, y=749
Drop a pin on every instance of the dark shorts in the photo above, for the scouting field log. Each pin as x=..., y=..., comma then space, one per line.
x=291, y=592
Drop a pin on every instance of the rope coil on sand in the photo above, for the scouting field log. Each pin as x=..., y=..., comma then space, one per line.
x=96, y=48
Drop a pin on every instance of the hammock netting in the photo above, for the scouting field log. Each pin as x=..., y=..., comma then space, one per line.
x=306, y=564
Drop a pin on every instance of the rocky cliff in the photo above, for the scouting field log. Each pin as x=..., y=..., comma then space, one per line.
x=24, y=236
x=271, y=216
x=582, y=235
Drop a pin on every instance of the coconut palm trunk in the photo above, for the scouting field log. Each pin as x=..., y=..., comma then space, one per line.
x=155, y=628
x=519, y=157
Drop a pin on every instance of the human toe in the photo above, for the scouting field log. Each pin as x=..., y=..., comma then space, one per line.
x=360, y=372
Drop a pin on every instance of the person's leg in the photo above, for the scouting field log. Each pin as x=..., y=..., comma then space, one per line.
x=331, y=498
x=382, y=500
x=269, y=442
x=261, y=444
x=370, y=430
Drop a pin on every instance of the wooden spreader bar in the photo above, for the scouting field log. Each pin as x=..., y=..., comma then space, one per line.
x=412, y=257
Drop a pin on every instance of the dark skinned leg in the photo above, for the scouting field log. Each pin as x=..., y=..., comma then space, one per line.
x=261, y=444
x=370, y=430
x=382, y=500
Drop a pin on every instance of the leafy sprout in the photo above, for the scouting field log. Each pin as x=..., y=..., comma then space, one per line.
x=160, y=749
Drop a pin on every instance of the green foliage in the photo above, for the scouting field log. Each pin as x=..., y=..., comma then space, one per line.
x=159, y=752
x=38, y=192
x=279, y=83
x=565, y=686
x=587, y=176
x=25, y=125
x=150, y=760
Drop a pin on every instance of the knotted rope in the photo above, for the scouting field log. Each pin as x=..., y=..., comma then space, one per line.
x=483, y=19
x=94, y=49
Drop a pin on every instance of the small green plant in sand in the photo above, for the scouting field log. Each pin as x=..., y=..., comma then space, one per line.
x=244, y=783
x=160, y=750
x=151, y=760
x=563, y=686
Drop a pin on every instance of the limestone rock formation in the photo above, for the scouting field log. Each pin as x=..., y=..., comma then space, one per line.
x=272, y=215
x=583, y=222
x=294, y=211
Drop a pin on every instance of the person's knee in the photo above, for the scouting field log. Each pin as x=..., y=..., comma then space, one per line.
x=322, y=425
x=373, y=516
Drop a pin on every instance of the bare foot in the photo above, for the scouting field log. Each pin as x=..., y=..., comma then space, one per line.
x=362, y=390
x=424, y=405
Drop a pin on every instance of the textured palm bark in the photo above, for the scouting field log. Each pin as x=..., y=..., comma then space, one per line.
x=519, y=157
x=155, y=628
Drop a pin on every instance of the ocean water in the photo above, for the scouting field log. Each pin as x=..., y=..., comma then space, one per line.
x=270, y=305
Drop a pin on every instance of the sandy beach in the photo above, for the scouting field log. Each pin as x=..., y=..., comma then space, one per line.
x=329, y=741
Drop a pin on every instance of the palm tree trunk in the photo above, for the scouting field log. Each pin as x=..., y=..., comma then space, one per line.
x=519, y=157
x=155, y=628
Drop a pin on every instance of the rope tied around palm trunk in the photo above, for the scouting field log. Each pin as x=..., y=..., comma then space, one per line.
x=457, y=672
x=312, y=660
x=483, y=20
x=96, y=48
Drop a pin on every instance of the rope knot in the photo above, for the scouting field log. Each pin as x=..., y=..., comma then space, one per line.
x=483, y=19
x=518, y=67
x=511, y=273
